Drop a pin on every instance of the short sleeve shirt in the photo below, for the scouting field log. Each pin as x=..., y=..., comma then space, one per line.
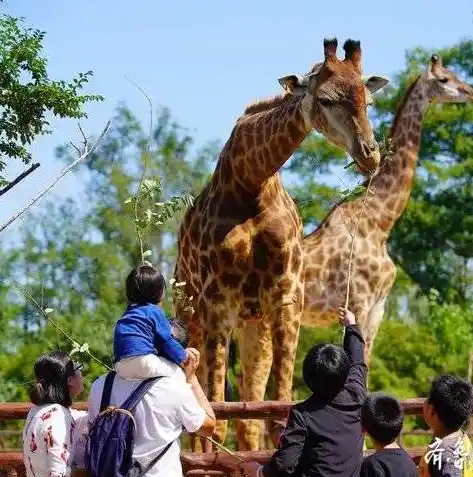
x=160, y=416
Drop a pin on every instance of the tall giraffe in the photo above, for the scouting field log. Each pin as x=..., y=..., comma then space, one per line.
x=240, y=244
x=327, y=249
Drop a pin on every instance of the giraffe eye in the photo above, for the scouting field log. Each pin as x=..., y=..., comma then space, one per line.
x=325, y=102
x=443, y=79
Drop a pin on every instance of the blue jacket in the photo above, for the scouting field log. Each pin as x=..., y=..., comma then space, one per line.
x=144, y=329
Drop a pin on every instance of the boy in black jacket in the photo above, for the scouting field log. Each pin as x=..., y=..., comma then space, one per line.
x=323, y=436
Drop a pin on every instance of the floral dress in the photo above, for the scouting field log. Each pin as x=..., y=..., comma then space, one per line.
x=48, y=441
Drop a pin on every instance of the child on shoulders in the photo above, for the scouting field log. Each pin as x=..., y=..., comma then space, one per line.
x=144, y=345
x=382, y=419
x=446, y=410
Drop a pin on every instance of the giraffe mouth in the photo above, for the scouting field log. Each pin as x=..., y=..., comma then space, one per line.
x=369, y=164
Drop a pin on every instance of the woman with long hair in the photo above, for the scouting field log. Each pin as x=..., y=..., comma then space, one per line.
x=51, y=428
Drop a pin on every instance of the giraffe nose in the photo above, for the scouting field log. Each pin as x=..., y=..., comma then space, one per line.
x=368, y=148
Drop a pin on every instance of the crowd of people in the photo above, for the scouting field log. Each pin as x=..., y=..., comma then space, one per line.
x=137, y=412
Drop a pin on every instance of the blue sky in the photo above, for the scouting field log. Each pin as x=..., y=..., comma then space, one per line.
x=206, y=60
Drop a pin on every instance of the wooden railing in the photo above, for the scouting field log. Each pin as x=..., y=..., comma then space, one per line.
x=196, y=464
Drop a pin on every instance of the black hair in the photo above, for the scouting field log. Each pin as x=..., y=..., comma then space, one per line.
x=382, y=417
x=452, y=399
x=325, y=370
x=52, y=371
x=145, y=284
x=179, y=331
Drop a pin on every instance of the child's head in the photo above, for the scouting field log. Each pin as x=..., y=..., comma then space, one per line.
x=145, y=284
x=449, y=404
x=382, y=418
x=179, y=331
x=325, y=370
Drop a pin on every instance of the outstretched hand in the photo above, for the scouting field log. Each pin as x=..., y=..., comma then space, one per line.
x=346, y=317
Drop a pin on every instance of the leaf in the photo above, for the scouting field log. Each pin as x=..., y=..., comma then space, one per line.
x=147, y=253
x=47, y=311
x=127, y=201
x=75, y=348
x=84, y=348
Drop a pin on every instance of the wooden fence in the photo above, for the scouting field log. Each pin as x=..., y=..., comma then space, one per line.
x=196, y=464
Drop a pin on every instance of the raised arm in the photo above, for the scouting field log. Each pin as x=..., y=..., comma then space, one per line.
x=354, y=346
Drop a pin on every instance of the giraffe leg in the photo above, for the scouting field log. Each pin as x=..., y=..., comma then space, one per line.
x=371, y=327
x=216, y=344
x=255, y=346
x=196, y=340
x=285, y=340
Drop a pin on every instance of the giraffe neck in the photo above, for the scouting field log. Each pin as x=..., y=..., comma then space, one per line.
x=262, y=142
x=391, y=188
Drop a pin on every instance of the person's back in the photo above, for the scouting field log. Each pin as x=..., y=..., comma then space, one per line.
x=382, y=419
x=323, y=434
x=165, y=409
x=446, y=410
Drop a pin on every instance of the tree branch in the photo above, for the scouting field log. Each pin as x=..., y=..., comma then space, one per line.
x=87, y=152
x=18, y=179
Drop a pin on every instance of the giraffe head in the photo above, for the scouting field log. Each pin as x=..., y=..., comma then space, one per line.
x=443, y=86
x=335, y=102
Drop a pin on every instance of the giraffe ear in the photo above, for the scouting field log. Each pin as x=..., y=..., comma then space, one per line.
x=375, y=83
x=294, y=84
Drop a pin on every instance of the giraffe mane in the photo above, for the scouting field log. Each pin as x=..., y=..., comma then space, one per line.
x=397, y=116
x=401, y=106
x=265, y=104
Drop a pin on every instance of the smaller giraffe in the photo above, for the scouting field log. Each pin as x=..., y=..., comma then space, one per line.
x=327, y=249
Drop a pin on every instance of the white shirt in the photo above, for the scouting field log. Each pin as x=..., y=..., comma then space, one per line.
x=168, y=406
x=48, y=441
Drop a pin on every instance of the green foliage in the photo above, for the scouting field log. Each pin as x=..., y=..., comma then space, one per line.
x=27, y=93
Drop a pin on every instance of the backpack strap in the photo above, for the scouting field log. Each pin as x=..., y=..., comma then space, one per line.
x=153, y=462
x=130, y=405
x=138, y=394
x=107, y=390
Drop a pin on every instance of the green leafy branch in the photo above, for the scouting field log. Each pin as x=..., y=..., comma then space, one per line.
x=46, y=313
x=180, y=297
x=150, y=214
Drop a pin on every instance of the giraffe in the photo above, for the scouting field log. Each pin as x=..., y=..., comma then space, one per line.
x=327, y=249
x=240, y=243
